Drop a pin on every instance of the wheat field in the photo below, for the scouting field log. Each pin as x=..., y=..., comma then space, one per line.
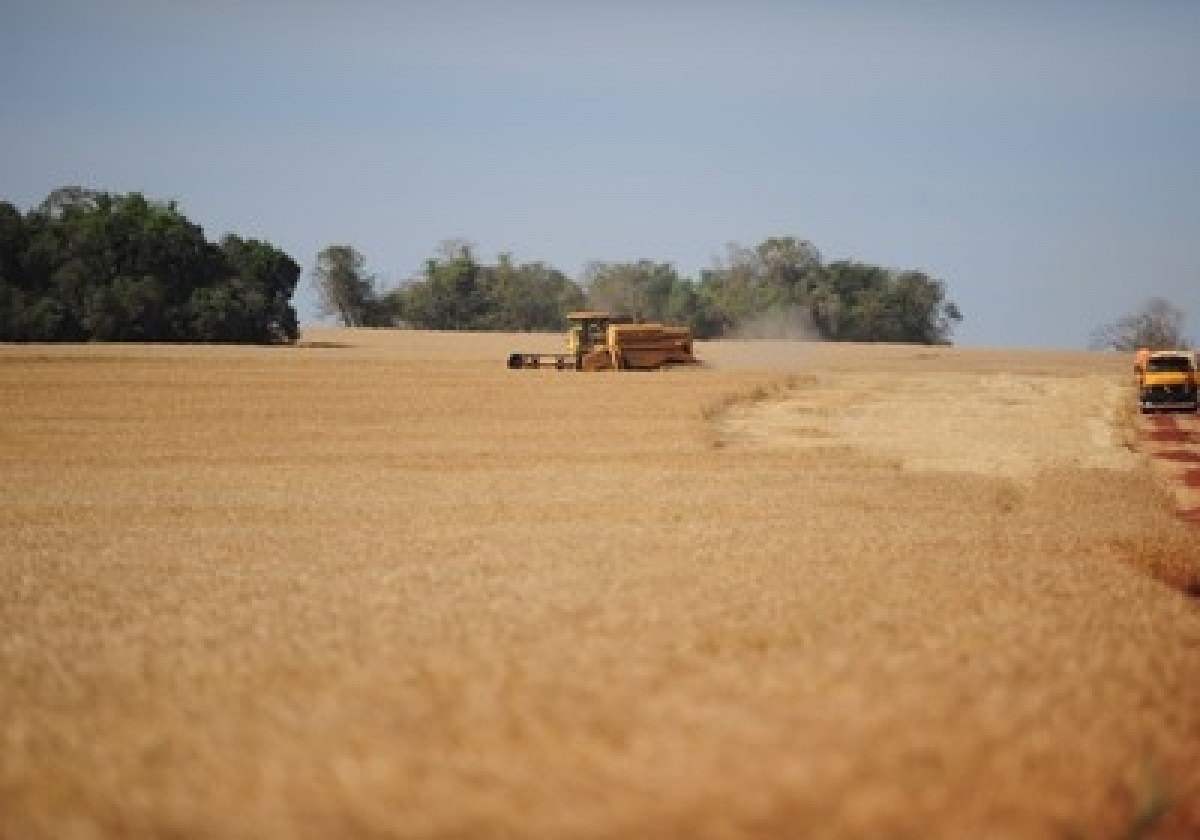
x=376, y=585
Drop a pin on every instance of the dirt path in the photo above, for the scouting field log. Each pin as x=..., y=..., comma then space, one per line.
x=1173, y=442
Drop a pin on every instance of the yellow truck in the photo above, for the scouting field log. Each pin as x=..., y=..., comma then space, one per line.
x=1166, y=380
x=598, y=341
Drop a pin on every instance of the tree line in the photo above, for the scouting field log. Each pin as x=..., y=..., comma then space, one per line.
x=92, y=266
x=780, y=288
x=87, y=265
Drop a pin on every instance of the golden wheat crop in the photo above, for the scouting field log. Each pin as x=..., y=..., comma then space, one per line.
x=379, y=586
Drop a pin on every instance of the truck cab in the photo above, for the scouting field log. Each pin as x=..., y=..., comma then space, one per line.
x=1167, y=381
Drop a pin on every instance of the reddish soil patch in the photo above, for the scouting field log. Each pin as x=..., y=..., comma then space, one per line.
x=1180, y=455
x=1171, y=435
x=1165, y=429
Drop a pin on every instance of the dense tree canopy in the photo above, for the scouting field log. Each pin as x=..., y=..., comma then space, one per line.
x=88, y=265
x=456, y=292
x=783, y=281
x=646, y=291
x=778, y=289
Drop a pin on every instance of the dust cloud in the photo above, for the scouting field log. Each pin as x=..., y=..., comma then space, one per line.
x=789, y=323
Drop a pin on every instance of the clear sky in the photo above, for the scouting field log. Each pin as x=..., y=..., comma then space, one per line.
x=1042, y=158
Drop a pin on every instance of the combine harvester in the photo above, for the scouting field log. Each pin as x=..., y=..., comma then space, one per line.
x=598, y=341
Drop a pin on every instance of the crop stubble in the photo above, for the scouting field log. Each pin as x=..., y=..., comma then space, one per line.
x=380, y=586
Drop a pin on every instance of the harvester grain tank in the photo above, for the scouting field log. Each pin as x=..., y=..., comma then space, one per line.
x=1167, y=380
x=598, y=341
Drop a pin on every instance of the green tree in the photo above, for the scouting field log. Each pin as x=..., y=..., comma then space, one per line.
x=526, y=297
x=450, y=295
x=776, y=276
x=781, y=288
x=13, y=243
x=69, y=200
x=125, y=309
x=622, y=289
x=87, y=265
x=457, y=292
x=271, y=275
x=345, y=290
x=861, y=302
x=647, y=291
x=231, y=312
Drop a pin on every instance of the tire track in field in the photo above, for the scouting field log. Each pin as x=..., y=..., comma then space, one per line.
x=1173, y=443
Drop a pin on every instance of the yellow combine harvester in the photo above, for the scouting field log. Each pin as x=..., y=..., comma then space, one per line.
x=597, y=341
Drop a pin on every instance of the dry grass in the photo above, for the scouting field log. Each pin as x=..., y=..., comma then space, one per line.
x=381, y=587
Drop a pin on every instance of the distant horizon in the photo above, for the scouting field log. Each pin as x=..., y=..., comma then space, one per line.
x=309, y=317
x=1039, y=159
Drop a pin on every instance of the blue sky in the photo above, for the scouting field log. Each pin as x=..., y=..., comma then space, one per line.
x=1042, y=158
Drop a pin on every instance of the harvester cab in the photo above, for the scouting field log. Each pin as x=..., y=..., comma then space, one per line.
x=588, y=333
